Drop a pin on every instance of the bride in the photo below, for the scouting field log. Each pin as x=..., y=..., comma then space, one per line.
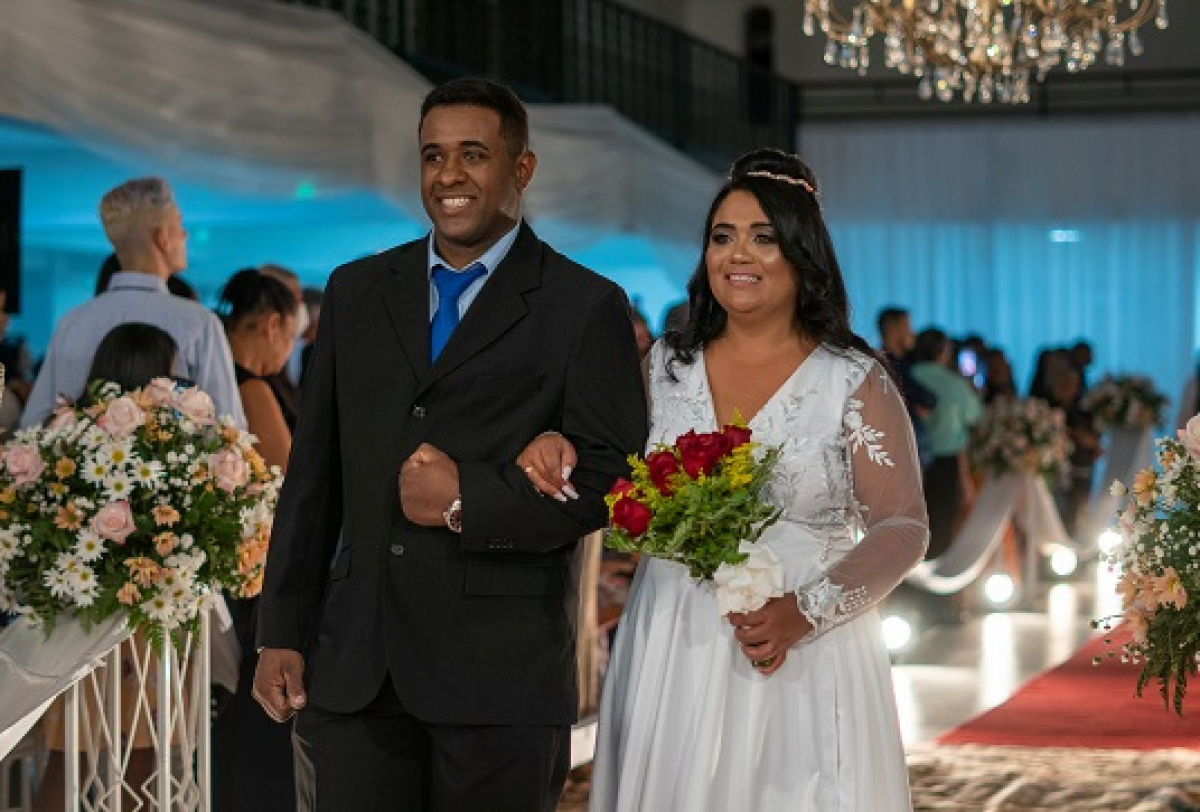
x=790, y=707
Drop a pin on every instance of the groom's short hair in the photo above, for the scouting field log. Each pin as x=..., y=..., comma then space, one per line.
x=476, y=92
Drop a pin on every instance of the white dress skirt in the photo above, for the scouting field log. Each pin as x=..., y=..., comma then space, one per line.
x=686, y=724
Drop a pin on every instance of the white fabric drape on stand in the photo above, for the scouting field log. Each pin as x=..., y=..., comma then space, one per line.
x=1032, y=231
x=1019, y=497
x=268, y=99
x=34, y=669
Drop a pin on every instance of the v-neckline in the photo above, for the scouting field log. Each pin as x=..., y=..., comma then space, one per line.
x=714, y=421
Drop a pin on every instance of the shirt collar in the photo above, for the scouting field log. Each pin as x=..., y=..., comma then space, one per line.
x=490, y=259
x=132, y=280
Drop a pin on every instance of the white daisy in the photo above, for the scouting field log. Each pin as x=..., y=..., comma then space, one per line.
x=89, y=545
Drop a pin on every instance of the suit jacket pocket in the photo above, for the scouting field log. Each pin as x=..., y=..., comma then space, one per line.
x=499, y=578
x=509, y=384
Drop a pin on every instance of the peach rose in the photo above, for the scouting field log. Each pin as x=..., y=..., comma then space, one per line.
x=196, y=404
x=24, y=463
x=122, y=417
x=114, y=521
x=229, y=470
x=1189, y=435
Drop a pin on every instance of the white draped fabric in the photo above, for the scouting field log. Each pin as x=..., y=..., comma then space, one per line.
x=1128, y=451
x=1030, y=231
x=1019, y=497
x=262, y=98
x=34, y=669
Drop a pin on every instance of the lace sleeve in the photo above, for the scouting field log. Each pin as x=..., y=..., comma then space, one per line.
x=886, y=479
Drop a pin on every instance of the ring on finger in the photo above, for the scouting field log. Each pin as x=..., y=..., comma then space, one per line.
x=765, y=663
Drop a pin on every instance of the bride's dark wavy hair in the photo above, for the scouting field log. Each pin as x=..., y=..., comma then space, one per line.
x=822, y=306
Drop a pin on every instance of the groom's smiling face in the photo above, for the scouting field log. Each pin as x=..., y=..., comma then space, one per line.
x=470, y=182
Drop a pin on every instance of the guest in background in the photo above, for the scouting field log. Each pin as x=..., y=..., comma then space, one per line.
x=1081, y=357
x=947, y=478
x=144, y=225
x=1073, y=492
x=998, y=380
x=252, y=756
x=285, y=390
x=260, y=319
x=176, y=284
x=312, y=303
x=896, y=335
x=18, y=372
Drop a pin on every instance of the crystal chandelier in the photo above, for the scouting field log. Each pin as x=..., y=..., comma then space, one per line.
x=987, y=50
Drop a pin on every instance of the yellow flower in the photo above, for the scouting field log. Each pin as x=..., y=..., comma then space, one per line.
x=1143, y=486
x=8, y=495
x=64, y=468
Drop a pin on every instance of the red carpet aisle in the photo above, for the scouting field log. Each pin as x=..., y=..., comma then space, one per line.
x=1079, y=704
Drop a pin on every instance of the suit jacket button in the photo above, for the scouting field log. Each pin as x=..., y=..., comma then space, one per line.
x=397, y=549
x=418, y=412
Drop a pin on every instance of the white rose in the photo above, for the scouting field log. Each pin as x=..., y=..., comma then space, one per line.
x=196, y=404
x=747, y=586
x=1189, y=435
x=122, y=417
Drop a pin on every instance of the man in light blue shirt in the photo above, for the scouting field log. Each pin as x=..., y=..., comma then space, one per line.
x=143, y=224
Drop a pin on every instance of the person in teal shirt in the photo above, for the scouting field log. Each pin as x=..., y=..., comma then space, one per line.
x=947, y=478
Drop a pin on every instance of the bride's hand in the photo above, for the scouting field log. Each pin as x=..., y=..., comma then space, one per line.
x=766, y=635
x=548, y=461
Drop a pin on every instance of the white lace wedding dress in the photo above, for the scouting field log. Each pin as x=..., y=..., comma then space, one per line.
x=686, y=724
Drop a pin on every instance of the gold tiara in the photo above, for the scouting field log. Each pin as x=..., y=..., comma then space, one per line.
x=801, y=182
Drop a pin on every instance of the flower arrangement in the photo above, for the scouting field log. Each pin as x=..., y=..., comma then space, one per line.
x=698, y=502
x=142, y=502
x=1159, y=562
x=1126, y=401
x=1026, y=436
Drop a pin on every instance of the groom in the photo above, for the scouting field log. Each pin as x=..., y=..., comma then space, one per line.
x=418, y=614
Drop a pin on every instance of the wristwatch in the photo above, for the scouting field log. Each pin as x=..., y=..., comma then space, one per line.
x=453, y=515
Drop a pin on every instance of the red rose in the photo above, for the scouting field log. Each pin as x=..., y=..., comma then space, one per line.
x=736, y=436
x=700, y=453
x=621, y=487
x=662, y=464
x=631, y=516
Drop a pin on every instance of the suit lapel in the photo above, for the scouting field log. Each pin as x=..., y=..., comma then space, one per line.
x=406, y=298
x=499, y=305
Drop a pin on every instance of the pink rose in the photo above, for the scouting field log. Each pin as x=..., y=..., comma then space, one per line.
x=122, y=417
x=114, y=521
x=196, y=404
x=160, y=391
x=1190, y=436
x=24, y=463
x=229, y=470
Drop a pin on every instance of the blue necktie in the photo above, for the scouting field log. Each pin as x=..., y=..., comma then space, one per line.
x=450, y=286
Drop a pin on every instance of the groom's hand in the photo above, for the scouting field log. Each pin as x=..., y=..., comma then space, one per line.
x=428, y=484
x=279, y=683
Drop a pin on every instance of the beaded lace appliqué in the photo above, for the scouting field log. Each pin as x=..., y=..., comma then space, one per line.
x=827, y=604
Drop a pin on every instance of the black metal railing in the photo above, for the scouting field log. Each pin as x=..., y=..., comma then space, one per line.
x=708, y=103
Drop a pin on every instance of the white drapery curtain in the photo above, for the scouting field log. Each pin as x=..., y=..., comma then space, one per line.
x=1031, y=232
x=267, y=99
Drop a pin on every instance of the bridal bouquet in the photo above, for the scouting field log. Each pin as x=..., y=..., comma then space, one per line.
x=1159, y=562
x=1125, y=401
x=699, y=502
x=143, y=503
x=1026, y=436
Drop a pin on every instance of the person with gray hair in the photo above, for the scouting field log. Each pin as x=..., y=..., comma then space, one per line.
x=144, y=225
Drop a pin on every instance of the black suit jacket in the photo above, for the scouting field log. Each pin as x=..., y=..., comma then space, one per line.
x=476, y=628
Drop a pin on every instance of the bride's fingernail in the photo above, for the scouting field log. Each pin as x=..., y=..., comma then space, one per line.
x=567, y=471
x=560, y=496
x=570, y=491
